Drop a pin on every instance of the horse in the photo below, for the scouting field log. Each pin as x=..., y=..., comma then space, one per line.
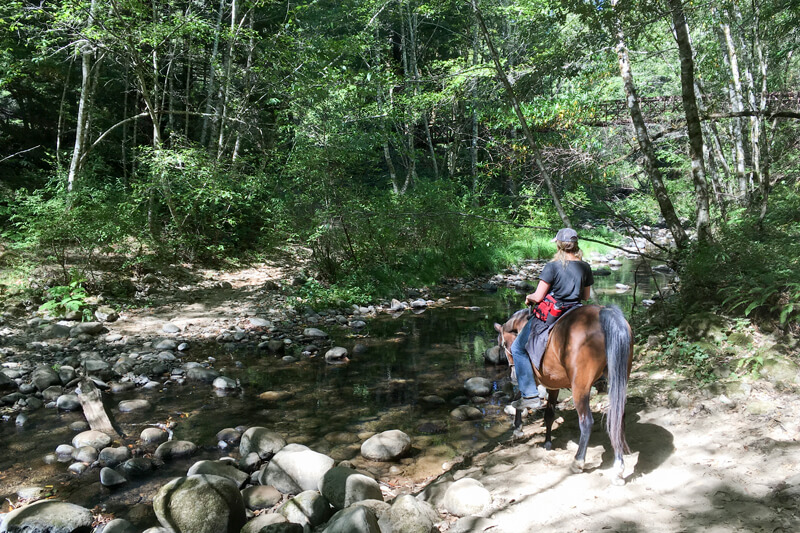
x=586, y=343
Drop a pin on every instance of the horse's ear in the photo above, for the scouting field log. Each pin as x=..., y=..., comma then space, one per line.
x=498, y=327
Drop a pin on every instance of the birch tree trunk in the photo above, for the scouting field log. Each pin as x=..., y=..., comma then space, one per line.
x=512, y=97
x=702, y=215
x=212, y=70
x=83, y=104
x=737, y=106
x=643, y=138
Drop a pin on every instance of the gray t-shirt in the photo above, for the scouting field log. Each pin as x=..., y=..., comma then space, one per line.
x=567, y=282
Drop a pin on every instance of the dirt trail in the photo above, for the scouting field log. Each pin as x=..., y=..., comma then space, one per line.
x=712, y=466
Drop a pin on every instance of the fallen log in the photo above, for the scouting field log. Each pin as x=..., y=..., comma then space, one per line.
x=92, y=402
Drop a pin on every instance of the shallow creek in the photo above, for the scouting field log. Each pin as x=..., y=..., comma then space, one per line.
x=401, y=363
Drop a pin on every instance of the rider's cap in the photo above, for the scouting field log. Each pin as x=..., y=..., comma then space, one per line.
x=566, y=235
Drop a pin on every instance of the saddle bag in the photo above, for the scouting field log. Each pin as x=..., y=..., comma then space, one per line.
x=547, y=308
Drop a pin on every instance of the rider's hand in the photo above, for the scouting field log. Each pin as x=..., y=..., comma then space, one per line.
x=529, y=300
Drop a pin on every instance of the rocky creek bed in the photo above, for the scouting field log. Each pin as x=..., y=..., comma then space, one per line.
x=208, y=444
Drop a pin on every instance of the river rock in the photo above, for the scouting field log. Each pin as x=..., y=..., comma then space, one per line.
x=224, y=383
x=343, y=487
x=229, y=436
x=466, y=412
x=410, y=515
x=467, y=496
x=96, y=439
x=295, y=468
x=478, y=386
x=165, y=344
x=175, y=449
x=200, y=504
x=271, y=523
x=66, y=374
x=198, y=373
x=309, y=508
x=315, y=333
x=68, y=402
x=136, y=467
x=75, y=468
x=336, y=355
x=119, y=525
x=495, y=356
x=169, y=327
x=105, y=313
x=356, y=519
x=48, y=516
x=86, y=328
x=128, y=406
x=52, y=393
x=257, y=322
x=705, y=326
x=263, y=441
x=260, y=497
x=114, y=456
x=111, y=478
x=275, y=395
x=386, y=446
x=65, y=450
x=85, y=454
x=153, y=436
x=55, y=331
x=217, y=468
x=43, y=377
x=419, y=303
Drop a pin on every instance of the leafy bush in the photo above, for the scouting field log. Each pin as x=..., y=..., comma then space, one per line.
x=66, y=299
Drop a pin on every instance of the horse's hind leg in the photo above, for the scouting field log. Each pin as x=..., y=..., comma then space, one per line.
x=585, y=420
x=549, y=416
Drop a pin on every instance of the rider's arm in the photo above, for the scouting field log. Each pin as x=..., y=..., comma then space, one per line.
x=538, y=296
x=587, y=293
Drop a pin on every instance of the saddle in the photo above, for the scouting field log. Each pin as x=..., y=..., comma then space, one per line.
x=540, y=332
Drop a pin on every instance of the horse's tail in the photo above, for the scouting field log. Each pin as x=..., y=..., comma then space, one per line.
x=618, y=353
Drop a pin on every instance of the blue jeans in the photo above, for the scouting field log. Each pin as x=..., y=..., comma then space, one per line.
x=525, y=380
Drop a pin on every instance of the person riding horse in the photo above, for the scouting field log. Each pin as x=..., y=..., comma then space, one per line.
x=563, y=283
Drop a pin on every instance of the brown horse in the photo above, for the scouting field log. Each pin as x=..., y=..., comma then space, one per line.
x=583, y=345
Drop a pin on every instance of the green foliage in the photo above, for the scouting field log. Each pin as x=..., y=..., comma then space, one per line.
x=694, y=359
x=750, y=271
x=65, y=299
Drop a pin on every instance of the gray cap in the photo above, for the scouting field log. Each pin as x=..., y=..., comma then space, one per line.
x=566, y=235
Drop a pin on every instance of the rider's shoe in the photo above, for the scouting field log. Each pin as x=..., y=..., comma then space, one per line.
x=531, y=403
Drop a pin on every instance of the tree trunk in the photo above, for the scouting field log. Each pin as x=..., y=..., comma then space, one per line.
x=473, y=146
x=692, y=120
x=83, y=104
x=512, y=97
x=737, y=105
x=212, y=69
x=643, y=138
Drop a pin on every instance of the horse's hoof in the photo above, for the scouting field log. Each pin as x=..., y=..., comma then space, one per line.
x=577, y=467
x=518, y=434
x=548, y=446
x=618, y=481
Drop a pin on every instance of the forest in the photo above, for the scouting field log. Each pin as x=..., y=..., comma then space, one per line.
x=395, y=143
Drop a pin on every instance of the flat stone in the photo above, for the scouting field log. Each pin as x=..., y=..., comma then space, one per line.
x=111, y=478
x=175, y=449
x=128, y=406
x=48, y=516
x=95, y=439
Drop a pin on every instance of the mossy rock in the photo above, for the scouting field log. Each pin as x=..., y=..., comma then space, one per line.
x=779, y=369
x=705, y=326
x=740, y=339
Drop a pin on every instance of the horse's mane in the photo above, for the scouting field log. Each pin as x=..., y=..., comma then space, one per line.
x=511, y=323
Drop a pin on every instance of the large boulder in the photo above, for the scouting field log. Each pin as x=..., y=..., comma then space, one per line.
x=309, y=508
x=386, y=446
x=356, y=519
x=263, y=441
x=294, y=469
x=467, y=496
x=48, y=516
x=705, y=326
x=779, y=369
x=345, y=486
x=200, y=504
x=410, y=515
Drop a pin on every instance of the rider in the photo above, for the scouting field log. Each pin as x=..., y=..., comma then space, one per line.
x=569, y=280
